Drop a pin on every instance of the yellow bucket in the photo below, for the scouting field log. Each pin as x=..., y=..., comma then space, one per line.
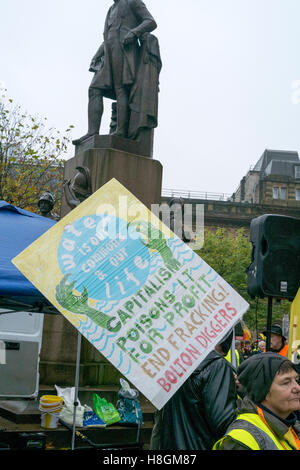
x=50, y=406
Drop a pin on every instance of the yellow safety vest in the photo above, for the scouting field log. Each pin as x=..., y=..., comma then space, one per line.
x=228, y=356
x=245, y=437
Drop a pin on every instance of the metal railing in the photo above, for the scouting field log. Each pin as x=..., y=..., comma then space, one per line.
x=184, y=193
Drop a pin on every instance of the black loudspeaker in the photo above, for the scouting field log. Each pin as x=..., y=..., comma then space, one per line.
x=275, y=261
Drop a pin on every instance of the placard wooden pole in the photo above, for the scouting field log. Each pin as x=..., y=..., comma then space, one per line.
x=76, y=388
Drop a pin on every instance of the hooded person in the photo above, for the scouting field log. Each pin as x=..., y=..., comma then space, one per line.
x=266, y=418
x=201, y=410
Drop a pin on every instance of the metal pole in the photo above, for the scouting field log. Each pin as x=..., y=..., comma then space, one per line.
x=76, y=387
x=232, y=351
x=269, y=323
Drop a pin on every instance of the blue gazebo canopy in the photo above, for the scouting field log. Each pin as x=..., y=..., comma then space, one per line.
x=18, y=229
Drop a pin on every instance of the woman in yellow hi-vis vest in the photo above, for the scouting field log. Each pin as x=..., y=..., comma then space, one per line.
x=266, y=415
x=239, y=357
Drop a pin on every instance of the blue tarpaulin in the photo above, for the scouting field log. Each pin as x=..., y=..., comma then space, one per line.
x=18, y=229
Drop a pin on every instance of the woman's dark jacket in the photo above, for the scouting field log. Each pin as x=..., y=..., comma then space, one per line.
x=202, y=409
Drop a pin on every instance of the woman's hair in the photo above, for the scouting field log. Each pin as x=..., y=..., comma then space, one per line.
x=286, y=367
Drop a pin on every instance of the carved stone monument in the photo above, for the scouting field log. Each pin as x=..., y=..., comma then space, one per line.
x=126, y=70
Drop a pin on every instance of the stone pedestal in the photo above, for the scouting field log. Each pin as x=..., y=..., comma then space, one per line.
x=142, y=147
x=142, y=176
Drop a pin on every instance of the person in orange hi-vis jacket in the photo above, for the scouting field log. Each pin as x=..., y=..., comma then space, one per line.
x=277, y=340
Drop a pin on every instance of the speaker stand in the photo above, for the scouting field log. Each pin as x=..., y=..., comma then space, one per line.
x=269, y=323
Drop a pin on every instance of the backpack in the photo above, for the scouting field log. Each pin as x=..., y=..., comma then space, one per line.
x=129, y=407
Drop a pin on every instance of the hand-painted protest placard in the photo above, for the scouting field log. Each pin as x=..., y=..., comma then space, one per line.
x=294, y=331
x=142, y=297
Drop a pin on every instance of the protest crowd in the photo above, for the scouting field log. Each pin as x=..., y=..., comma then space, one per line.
x=252, y=403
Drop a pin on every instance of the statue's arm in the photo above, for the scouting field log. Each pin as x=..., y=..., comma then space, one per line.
x=147, y=22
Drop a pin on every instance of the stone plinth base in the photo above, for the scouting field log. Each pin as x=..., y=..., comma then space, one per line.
x=142, y=147
x=140, y=175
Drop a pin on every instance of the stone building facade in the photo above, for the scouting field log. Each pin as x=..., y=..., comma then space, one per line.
x=272, y=186
x=274, y=180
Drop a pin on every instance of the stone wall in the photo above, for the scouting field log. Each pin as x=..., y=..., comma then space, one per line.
x=234, y=215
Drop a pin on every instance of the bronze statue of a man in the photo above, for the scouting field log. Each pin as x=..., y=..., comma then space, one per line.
x=127, y=67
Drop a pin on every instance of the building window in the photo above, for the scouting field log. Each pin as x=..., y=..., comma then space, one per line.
x=297, y=171
x=275, y=193
x=297, y=194
x=279, y=193
x=282, y=193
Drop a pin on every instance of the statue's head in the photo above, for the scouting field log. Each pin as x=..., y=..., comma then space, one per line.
x=46, y=202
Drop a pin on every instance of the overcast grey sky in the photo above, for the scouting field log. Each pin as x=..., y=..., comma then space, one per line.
x=229, y=87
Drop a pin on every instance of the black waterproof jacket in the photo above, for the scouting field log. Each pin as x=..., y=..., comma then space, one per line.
x=201, y=410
